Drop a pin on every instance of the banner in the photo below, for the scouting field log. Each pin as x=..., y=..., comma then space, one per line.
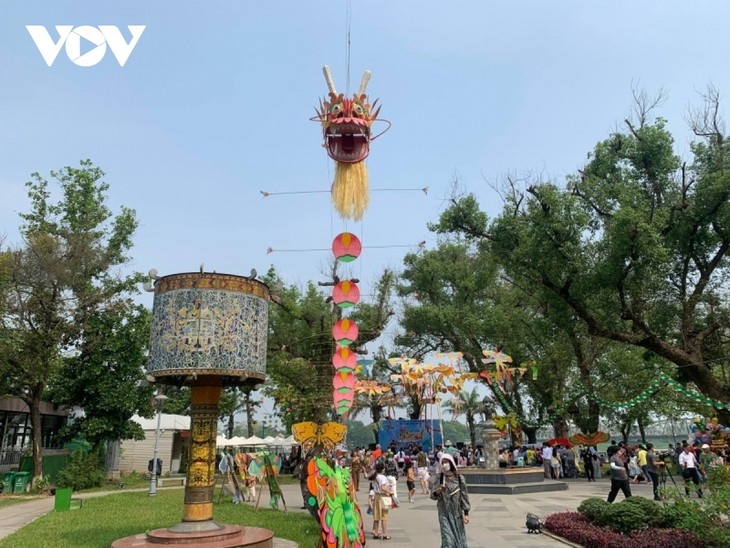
x=402, y=433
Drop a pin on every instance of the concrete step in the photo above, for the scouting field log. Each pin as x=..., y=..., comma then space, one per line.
x=518, y=488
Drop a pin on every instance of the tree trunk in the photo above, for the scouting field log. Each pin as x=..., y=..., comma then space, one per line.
x=531, y=434
x=710, y=386
x=230, y=424
x=416, y=409
x=625, y=431
x=642, y=429
x=560, y=428
x=35, y=420
x=249, y=415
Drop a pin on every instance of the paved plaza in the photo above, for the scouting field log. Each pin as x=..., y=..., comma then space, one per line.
x=496, y=520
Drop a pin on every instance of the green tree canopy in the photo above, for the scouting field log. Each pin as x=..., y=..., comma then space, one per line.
x=634, y=246
x=63, y=291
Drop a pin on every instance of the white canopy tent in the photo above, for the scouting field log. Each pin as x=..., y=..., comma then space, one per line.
x=289, y=441
x=253, y=441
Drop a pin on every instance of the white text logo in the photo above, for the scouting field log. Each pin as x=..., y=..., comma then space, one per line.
x=99, y=37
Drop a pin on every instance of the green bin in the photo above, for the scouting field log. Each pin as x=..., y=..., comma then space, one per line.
x=63, y=499
x=21, y=482
x=8, y=479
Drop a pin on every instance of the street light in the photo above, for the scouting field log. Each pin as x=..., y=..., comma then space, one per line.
x=158, y=401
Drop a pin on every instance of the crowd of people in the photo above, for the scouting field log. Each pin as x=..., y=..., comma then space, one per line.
x=436, y=473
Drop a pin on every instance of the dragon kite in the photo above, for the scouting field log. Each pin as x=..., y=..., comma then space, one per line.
x=346, y=124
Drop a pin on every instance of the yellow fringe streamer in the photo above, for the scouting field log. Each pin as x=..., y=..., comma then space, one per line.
x=350, y=194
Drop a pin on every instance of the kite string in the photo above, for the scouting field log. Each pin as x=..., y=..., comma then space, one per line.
x=348, y=42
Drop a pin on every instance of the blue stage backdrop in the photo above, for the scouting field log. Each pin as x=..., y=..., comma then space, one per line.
x=405, y=432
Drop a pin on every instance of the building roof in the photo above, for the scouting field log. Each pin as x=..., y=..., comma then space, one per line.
x=167, y=422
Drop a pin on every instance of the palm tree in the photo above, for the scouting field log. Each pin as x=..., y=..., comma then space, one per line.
x=468, y=404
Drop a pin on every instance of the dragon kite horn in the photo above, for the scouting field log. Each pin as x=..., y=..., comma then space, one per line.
x=364, y=83
x=330, y=81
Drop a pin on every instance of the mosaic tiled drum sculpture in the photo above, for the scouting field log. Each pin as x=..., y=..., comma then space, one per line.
x=208, y=331
x=209, y=324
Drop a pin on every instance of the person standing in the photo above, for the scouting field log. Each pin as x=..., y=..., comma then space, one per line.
x=690, y=470
x=381, y=488
x=587, y=457
x=547, y=455
x=450, y=449
x=555, y=463
x=611, y=449
x=410, y=480
x=449, y=490
x=619, y=477
x=422, y=469
x=391, y=474
x=652, y=473
x=570, y=468
x=355, y=470
x=641, y=460
x=400, y=459
x=708, y=459
x=596, y=463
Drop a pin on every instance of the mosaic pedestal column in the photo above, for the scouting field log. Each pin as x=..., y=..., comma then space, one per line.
x=208, y=331
x=200, y=485
x=490, y=437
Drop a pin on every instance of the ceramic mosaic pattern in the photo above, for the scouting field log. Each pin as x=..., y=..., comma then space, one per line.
x=207, y=331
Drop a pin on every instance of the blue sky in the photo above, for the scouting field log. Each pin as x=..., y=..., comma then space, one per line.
x=213, y=106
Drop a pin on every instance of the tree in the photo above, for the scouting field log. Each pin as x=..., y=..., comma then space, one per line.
x=359, y=435
x=237, y=399
x=635, y=245
x=105, y=378
x=468, y=404
x=377, y=404
x=300, y=345
x=59, y=281
x=458, y=299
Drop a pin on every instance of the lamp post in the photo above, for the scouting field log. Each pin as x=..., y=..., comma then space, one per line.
x=159, y=402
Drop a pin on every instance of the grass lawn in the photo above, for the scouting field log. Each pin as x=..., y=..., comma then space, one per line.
x=105, y=519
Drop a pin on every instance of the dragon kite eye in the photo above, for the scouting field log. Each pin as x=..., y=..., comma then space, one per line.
x=359, y=110
x=336, y=108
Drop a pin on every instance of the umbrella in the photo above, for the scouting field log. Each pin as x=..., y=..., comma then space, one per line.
x=560, y=441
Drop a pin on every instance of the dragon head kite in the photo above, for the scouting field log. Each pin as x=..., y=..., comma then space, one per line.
x=346, y=128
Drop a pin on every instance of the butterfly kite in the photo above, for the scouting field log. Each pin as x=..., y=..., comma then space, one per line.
x=326, y=435
x=266, y=465
x=502, y=370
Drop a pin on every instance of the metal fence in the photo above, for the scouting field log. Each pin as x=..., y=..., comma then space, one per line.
x=10, y=458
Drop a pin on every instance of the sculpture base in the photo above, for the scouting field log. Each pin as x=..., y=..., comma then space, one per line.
x=510, y=481
x=228, y=536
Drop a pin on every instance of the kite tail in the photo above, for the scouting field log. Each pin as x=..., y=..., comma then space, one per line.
x=350, y=190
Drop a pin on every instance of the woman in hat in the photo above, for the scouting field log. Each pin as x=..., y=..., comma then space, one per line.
x=449, y=489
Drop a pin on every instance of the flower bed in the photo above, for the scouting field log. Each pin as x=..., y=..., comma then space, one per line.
x=576, y=528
